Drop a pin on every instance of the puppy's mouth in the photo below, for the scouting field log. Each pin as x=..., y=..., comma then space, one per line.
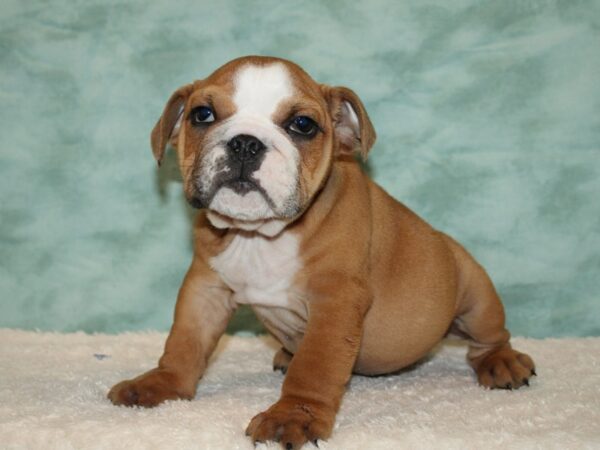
x=242, y=186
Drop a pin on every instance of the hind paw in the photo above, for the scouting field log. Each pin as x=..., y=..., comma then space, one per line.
x=505, y=368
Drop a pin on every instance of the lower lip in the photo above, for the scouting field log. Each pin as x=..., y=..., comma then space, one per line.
x=242, y=184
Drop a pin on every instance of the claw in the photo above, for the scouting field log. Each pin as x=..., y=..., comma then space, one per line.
x=525, y=381
x=282, y=369
x=508, y=386
x=316, y=443
x=533, y=373
x=289, y=446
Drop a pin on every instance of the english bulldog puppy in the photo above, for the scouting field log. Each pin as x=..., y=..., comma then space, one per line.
x=348, y=279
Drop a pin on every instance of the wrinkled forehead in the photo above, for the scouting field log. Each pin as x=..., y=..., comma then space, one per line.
x=260, y=89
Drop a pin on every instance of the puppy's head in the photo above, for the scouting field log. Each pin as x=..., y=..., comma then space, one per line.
x=257, y=138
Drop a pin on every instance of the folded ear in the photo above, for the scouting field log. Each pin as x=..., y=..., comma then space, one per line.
x=167, y=127
x=353, y=128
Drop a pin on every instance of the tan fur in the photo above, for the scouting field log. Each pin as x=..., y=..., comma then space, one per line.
x=381, y=287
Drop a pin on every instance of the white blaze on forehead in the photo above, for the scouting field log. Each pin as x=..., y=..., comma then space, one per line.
x=260, y=89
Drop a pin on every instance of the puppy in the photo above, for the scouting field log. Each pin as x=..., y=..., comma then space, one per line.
x=344, y=276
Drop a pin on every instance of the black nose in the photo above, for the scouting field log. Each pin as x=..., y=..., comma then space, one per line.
x=245, y=147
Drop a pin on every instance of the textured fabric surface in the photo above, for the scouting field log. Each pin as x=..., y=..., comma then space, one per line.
x=486, y=111
x=53, y=388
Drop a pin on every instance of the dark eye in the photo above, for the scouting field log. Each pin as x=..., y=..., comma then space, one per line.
x=304, y=126
x=202, y=114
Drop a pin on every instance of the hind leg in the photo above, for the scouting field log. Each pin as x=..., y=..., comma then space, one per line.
x=282, y=360
x=480, y=316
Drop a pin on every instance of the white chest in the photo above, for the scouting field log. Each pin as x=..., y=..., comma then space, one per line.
x=259, y=270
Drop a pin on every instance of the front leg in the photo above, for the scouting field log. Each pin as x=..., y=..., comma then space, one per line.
x=202, y=312
x=319, y=371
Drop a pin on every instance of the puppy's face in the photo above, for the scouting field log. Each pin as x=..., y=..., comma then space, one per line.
x=256, y=139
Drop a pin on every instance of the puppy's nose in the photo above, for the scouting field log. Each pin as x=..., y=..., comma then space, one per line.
x=245, y=147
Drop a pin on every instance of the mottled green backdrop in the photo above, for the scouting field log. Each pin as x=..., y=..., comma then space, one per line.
x=488, y=115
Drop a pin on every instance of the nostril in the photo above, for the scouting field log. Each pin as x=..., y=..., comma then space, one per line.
x=252, y=147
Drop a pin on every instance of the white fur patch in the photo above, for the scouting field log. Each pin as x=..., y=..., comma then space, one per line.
x=277, y=174
x=250, y=206
x=258, y=269
x=260, y=89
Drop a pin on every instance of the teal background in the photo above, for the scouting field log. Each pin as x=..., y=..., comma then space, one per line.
x=488, y=116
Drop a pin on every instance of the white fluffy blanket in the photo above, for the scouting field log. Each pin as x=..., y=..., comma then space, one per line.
x=53, y=396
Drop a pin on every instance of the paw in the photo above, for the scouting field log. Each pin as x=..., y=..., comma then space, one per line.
x=292, y=423
x=505, y=369
x=282, y=360
x=148, y=390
